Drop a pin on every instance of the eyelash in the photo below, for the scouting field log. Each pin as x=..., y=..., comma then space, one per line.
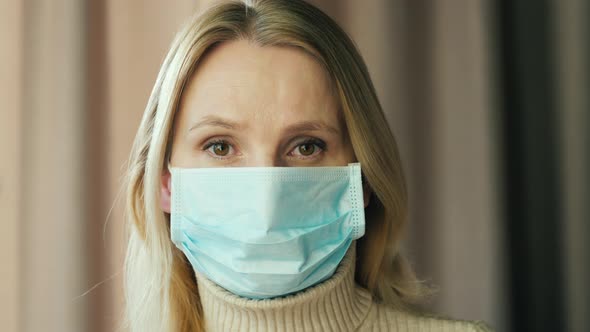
x=213, y=142
x=315, y=141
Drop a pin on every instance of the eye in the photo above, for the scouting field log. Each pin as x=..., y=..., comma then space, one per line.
x=218, y=148
x=308, y=149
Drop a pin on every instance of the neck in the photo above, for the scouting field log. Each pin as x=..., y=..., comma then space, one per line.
x=336, y=304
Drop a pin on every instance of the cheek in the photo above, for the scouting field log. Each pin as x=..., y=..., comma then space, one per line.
x=341, y=154
x=184, y=153
x=347, y=150
x=350, y=156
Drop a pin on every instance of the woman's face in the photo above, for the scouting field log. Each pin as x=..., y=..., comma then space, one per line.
x=247, y=105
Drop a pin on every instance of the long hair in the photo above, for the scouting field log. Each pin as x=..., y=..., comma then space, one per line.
x=160, y=286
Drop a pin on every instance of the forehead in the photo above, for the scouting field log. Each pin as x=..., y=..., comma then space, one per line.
x=248, y=82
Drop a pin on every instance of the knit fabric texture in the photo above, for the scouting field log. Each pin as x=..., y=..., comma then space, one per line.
x=336, y=304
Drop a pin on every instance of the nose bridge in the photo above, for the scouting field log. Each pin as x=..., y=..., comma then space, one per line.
x=264, y=157
x=264, y=148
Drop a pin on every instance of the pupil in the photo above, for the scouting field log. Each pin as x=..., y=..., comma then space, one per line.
x=306, y=149
x=221, y=149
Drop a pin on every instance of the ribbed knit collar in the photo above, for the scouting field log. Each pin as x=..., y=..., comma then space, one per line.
x=336, y=304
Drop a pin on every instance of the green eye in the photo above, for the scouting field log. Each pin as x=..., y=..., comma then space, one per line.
x=307, y=149
x=220, y=149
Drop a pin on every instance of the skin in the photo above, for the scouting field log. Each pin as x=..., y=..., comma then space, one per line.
x=248, y=105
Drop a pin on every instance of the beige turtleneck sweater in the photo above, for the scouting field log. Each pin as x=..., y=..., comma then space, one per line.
x=337, y=304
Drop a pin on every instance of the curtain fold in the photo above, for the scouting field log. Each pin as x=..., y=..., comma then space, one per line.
x=11, y=35
x=573, y=72
x=51, y=242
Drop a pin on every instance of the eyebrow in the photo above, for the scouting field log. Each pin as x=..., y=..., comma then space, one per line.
x=216, y=121
x=311, y=126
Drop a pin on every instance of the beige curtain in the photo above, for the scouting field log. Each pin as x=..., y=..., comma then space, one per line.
x=11, y=19
x=43, y=183
x=75, y=78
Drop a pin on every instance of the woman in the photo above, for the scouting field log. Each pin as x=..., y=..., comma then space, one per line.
x=247, y=208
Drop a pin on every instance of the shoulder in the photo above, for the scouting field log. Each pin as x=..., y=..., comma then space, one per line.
x=385, y=318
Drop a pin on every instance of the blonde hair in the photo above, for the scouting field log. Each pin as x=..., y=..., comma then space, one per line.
x=160, y=286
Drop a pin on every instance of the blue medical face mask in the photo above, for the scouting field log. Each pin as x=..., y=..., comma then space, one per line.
x=263, y=232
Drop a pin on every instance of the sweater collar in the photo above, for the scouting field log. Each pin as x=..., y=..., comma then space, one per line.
x=336, y=304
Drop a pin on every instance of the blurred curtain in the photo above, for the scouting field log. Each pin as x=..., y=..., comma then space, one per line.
x=11, y=21
x=44, y=181
x=572, y=29
x=488, y=101
x=542, y=78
